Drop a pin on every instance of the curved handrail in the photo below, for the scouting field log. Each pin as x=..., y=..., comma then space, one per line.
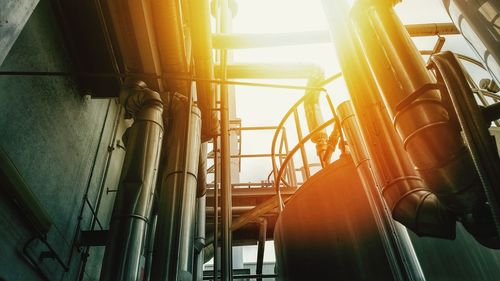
x=292, y=153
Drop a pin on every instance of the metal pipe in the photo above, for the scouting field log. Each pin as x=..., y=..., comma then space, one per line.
x=261, y=247
x=270, y=71
x=204, y=66
x=199, y=240
x=168, y=26
x=398, y=247
x=150, y=246
x=403, y=190
x=174, y=239
x=245, y=41
x=414, y=103
x=135, y=193
x=314, y=116
x=216, y=208
x=227, y=256
x=478, y=24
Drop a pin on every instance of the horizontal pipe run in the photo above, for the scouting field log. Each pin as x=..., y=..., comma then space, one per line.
x=270, y=71
x=262, y=128
x=171, y=76
x=246, y=276
x=247, y=41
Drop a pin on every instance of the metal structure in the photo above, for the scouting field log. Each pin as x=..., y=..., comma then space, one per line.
x=409, y=155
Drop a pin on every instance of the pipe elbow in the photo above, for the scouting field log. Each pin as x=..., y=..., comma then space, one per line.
x=136, y=96
x=422, y=212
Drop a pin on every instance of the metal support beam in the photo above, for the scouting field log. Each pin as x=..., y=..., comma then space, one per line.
x=247, y=41
x=261, y=247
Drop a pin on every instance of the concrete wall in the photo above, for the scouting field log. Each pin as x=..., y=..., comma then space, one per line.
x=59, y=142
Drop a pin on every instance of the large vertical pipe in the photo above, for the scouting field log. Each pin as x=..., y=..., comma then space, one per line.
x=168, y=26
x=201, y=191
x=424, y=125
x=399, y=250
x=174, y=238
x=204, y=66
x=135, y=193
x=478, y=23
x=403, y=190
x=226, y=194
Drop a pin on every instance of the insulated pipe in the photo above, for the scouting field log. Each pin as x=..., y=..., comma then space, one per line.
x=204, y=66
x=168, y=26
x=398, y=246
x=174, y=238
x=135, y=193
x=478, y=23
x=414, y=103
x=201, y=191
x=403, y=190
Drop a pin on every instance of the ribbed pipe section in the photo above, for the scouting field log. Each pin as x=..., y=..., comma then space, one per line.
x=135, y=193
x=401, y=187
x=175, y=230
x=422, y=122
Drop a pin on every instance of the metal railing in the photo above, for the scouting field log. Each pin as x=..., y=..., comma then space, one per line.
x=284, y=171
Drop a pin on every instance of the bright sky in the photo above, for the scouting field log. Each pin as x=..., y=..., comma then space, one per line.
x=264, y=107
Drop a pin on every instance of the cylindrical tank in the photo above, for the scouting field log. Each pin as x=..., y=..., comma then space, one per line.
x=327, y=230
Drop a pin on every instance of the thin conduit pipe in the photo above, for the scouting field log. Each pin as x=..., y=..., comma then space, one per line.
x=164, y=75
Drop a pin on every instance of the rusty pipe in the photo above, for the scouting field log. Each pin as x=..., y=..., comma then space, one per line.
x=135, y=193
x=402, y=189
x=414, y=103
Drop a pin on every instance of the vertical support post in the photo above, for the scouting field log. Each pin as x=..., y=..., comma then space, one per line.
x=291, y=165
x=225, y=157
x=261, y=247
x=216, y=206
x=302, y=149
